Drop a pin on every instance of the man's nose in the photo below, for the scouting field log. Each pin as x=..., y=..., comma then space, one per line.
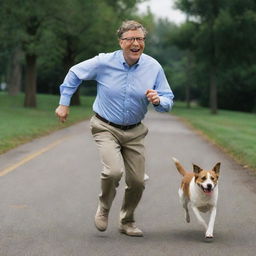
x=135, y=41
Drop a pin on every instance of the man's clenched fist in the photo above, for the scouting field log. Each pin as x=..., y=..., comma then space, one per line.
x=153, y=96
x=62, y=112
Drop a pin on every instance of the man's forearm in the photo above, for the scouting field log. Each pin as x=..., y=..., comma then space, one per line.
x=68, y=88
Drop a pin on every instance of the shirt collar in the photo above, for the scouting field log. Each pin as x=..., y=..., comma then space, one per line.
x=122, y=59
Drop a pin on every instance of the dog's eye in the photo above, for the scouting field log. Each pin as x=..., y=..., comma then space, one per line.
x=212, y=178
x=203, y=178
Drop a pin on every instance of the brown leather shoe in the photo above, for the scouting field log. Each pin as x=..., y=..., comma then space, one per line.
x=101, y=219
x=130, y=229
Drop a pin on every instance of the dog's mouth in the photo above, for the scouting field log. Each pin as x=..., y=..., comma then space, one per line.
x=207, y=190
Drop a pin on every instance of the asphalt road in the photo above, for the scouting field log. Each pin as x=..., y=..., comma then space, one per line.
x=49, y=190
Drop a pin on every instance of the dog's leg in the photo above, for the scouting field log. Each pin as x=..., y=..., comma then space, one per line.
x=185, y=206
x=199, y=217
x=209, y=231
x=184, y=203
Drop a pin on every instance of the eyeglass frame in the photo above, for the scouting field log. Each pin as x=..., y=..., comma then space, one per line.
x=132, y=39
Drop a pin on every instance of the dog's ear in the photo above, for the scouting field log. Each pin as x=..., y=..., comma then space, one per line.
x=197, y=169
x=216, y=168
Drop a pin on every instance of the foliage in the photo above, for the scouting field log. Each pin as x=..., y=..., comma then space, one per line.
x=234, y=132
x=160, y=45
x=55, y=35
x=215, y=46
x=220, y=34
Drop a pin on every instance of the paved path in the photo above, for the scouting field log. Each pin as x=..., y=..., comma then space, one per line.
x=49, y=190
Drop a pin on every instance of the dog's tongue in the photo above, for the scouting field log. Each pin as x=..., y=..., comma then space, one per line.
x=208, y=192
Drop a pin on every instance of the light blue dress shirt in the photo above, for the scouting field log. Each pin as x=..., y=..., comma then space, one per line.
x=121, y=88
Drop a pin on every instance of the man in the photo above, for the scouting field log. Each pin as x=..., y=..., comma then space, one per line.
x=127, y=81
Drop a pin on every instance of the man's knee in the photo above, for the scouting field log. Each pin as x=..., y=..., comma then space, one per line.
x=137, y=184
x=114, y=174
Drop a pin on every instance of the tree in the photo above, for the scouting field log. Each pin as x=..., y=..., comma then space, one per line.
x=206, y=12
x=184, y=38
x=237, y=55
x=30, y=24
x=14, y=72
x=224, y=47
x=25, y=23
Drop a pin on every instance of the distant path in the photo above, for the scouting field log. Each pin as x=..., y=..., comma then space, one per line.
x=49, y=190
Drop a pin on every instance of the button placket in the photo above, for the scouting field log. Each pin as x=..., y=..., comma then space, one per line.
x=127, y=100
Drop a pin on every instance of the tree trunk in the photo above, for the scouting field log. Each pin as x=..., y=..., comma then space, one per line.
x=30, y=85
x=15, y=73
x=213, y=91
x=189, y=78
x=188, y=94
x=75, y=100
x=213, y=59
x=69, y=61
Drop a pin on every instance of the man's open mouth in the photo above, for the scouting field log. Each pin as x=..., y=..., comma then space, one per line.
x=135, y=50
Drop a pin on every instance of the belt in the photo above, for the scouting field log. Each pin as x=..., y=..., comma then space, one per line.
x=122, y=127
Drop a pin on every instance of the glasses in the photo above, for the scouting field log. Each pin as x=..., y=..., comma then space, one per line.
x=132, y=39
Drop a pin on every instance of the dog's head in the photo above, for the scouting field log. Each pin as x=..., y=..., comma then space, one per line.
x=207, y=180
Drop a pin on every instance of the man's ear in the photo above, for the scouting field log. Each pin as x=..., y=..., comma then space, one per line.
x=196, y=168
x=120, y=43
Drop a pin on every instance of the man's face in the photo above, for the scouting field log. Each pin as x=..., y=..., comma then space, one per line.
x=132, y=49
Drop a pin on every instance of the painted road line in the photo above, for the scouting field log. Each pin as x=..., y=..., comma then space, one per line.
x=30, y=157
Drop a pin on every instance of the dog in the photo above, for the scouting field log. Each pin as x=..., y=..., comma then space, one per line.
x=200, y=189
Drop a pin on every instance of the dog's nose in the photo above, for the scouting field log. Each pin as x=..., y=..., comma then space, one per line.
x=209, y=186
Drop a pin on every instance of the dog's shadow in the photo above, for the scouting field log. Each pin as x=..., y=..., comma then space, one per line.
x=179, y=235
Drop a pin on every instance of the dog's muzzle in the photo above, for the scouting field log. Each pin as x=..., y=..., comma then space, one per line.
x=208, y=189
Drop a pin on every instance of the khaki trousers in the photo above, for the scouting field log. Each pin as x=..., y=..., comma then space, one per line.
x=120, y=152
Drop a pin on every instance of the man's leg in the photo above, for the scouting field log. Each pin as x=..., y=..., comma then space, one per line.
x=133, y=152
x=113, y=167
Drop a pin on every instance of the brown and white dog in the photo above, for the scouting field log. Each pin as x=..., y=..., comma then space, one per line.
x=200, y=188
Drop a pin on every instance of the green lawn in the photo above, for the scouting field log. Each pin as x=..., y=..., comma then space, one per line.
x=19, y=125
x=235, y=132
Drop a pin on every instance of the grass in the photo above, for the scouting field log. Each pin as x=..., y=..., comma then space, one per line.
x=235, y=132
x=19, y=125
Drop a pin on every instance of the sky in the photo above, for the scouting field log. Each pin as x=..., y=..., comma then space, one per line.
x=163, y=9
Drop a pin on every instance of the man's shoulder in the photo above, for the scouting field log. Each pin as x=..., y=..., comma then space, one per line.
x=147, y=59
x=108, y=56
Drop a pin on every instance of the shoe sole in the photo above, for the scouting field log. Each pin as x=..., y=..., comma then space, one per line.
x=101, y=230
x=125, y=233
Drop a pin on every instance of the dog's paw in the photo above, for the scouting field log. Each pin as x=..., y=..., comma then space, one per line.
x=208, y=238
x=187, y=217
x=146, y=177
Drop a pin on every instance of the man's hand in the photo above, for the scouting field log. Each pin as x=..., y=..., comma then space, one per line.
x=62, y=112
x=153, y=96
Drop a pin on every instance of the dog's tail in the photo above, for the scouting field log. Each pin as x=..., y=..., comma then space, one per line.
x=179, y=166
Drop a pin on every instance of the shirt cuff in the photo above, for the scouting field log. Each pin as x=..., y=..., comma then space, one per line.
x=164, y=106
x=64, y=100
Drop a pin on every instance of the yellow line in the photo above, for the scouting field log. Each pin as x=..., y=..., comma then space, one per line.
x=30, y=157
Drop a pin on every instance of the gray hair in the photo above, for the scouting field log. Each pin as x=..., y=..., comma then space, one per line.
x=130, y=25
